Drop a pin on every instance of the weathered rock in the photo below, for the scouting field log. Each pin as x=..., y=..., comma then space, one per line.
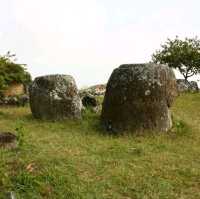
x=138, y=97
x=20, y=100
x=55, y=97
x=187, y=86
x=8, y=140
x=23, y=100
x=89, y=101
x=11, y=101
x=96, y=90
x=9, y=195
x=97, y=109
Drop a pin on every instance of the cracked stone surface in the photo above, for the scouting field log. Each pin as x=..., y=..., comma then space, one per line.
x=138, y=97
x=55, y=97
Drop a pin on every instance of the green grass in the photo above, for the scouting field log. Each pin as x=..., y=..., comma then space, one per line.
x=75, y=160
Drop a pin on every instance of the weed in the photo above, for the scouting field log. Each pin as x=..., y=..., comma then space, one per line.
x=20, y=132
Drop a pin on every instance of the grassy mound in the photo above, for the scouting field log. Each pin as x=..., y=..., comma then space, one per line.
x=76, y=160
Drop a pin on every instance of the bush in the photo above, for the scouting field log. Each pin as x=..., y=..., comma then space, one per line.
x=11, y=72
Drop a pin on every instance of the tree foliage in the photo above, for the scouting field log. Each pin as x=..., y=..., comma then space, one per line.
x=11, y=72
x=183, y=55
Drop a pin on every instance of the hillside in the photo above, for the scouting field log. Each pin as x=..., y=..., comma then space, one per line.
x=76, y=160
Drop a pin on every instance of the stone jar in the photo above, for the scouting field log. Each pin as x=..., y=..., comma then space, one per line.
x=138, y=98
x=55, y=97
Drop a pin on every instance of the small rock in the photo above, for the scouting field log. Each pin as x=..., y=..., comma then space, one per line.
x=187, y=86
x=10, y=195
x=96, y=90
x=23, y=100
x=20, y=100
x=89, y=101
x=8, y=140
x=97, y=109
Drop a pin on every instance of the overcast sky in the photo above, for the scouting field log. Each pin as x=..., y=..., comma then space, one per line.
x=89, y=38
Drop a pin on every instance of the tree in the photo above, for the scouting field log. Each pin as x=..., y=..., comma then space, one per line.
x=183, y=55
x=11, y=72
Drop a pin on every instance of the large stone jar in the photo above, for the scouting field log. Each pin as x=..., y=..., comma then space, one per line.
x=138, y=98
x=55, y=97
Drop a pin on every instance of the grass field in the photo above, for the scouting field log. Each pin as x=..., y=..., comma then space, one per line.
x=75, y=160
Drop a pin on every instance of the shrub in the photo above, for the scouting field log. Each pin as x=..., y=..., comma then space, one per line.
x=12, y=72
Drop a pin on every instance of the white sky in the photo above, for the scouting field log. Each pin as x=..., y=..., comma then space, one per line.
x=89, y=38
